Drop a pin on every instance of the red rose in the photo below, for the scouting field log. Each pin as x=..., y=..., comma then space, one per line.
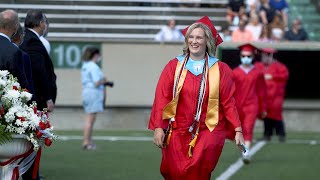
x=47, y=141
x=35, y=109
x=15, y=87
x=1, y=110
x=42, y=125
x=38, y=133
x=21, y=118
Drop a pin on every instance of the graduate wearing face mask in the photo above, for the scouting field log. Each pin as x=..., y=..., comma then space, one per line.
x=249, y=94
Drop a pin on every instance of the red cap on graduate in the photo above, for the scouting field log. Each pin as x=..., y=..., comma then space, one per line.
x=248, y=47
x=269, y=50
x=205, y=20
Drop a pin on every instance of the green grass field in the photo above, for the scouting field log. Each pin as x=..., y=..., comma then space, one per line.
x=140, y=160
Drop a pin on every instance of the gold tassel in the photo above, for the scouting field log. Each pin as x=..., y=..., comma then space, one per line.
x=192, y=144
x=169, y=136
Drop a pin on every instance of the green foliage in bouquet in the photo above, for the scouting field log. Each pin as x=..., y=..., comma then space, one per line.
x=4, y=136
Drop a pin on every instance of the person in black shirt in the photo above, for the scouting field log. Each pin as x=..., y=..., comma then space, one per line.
x=296, y=33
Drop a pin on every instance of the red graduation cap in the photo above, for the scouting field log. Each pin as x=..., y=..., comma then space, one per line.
x=205, y=20
x=268, y=50
x=248, y=47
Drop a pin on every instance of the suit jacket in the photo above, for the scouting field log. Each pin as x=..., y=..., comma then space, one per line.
x=28, y=71
x=43, y=75
x=11, y=59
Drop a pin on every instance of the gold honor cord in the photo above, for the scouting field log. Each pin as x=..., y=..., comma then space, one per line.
x=169, y=111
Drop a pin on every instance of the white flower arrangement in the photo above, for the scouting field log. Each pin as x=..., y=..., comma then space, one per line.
x=18, y=117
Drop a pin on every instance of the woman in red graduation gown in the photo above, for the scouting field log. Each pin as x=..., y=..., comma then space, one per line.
x=194, y=103
x=276, y=76
x=249, y=95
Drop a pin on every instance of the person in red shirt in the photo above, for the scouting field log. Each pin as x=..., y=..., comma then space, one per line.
x=276, y=76
x=194, y=102
x=249, y=95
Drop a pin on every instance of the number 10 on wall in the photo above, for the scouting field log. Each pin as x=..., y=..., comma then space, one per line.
x=68, y=55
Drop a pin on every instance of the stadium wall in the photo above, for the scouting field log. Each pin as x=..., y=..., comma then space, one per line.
x=136, y=67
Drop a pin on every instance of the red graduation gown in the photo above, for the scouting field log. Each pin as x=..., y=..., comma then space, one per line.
x=275, y=88
x=250, y=98
x=175, y=163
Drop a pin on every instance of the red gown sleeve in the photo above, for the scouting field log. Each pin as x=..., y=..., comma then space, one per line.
x=163, y=96
x=227, y=89
x=262, y=93
x=282, y=73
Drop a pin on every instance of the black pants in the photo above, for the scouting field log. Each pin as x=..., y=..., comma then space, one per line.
x=270, y=124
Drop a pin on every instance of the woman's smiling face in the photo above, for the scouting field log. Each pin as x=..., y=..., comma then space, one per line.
x=197, y=44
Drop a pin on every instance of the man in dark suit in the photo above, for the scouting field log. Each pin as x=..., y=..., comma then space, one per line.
x=17, y=39
x=10, y=56
x=43, y=75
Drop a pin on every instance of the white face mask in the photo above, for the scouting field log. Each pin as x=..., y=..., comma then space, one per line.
x=246, y=60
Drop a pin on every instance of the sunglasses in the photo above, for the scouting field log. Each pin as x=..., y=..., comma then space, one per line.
x=249, y=56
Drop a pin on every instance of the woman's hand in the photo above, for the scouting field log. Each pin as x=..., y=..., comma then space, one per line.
x=239, y=137
x=263, y=115
x=158, y=137
x=101, y=82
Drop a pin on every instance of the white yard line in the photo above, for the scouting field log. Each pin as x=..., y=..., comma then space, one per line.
x=145, y=138
x=108, y=138
x=233, y=168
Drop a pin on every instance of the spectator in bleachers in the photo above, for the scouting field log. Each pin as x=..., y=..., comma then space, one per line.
x=277, y=27
x=252, y=5
x=255, y=27
x=170, y=32
x=241, y=34
x=296, y=32
x=226, y=34
x=265, y=35
x=43, y=39
x=266, y=12
x=282, y=7
x=233, y=9
x=254, y=10
x=243, y=15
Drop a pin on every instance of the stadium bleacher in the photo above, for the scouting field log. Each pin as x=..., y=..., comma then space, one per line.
x=117, y=19
x=140, y=19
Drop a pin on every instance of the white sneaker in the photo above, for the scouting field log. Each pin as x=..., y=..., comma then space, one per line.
x=246, y=158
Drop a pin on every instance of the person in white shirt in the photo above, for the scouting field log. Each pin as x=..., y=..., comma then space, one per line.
x=43, y=39
x=255, y=27
x=169, y=32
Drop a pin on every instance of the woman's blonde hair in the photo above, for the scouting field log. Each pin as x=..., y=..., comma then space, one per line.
x=211, y=41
